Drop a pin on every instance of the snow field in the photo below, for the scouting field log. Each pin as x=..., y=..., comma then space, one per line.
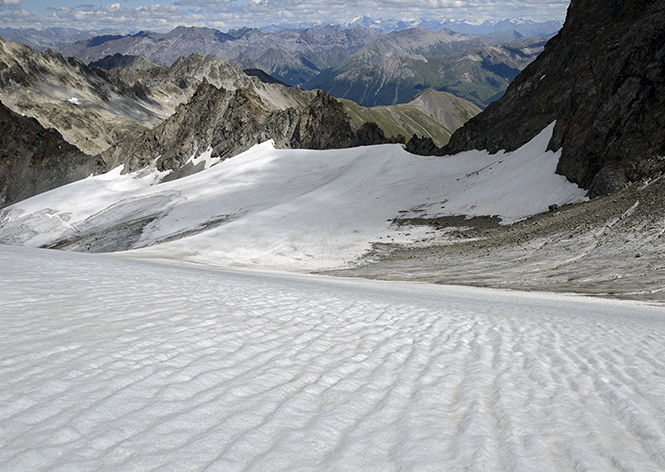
x=113, y=364
x=294, y=210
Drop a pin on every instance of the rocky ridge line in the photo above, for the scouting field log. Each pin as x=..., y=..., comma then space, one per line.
x=229, y=122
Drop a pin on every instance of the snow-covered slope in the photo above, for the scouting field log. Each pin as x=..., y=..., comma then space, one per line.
x=112, y=364
x=288, y=209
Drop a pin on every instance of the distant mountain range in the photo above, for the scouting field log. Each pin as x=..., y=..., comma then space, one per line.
x=53, y=38
x=59, y=37
x=359, y=63
x=484, y=27
x=372, y=62
x=291, y=56
x=475, y=27
x=398, y=65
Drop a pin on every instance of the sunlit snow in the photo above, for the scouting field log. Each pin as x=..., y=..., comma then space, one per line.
x=292, y=209
x=114, y=364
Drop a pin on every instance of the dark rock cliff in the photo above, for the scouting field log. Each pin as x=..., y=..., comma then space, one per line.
x=34, y=159
x=602, y=78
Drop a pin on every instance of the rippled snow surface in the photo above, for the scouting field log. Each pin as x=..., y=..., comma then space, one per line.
x=112, y=364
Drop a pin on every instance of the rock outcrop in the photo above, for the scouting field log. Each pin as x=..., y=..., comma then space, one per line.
x=34, y=159
x=602, y=79
x=229, y=122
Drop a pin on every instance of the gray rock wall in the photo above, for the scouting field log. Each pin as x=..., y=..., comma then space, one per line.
x=602, y=78
x=231, y=122
x=34, y=159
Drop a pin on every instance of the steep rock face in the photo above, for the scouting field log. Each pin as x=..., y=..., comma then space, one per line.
x=34, y=159
x=323, y=125
x=229, y=122
x=602, y=78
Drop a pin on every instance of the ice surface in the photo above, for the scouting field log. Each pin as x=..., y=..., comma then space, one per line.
x=114, y=364
x=296, y=210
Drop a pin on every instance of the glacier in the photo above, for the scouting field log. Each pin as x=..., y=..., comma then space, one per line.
x=118, y=364
x=293, y=210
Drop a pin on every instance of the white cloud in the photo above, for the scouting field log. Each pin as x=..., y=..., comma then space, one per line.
x=19, y=16
x=10, y=3
x=225, y=14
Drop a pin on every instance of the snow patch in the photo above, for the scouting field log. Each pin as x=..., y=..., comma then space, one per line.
x=206, y=158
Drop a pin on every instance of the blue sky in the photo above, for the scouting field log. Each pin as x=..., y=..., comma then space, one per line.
x=135, y=15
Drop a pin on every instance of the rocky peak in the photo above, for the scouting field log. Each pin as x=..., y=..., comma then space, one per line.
x=323, y=125
x=602, y=79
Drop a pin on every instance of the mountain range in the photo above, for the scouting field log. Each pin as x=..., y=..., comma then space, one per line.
x=52, y=38
x=479, y=27
x=291, y=56
x=396, y=66
x=56, y=37
x=369, y=65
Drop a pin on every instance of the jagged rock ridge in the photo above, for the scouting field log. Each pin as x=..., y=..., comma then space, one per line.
x=93, y=107
x=229, y=122
x=602, y=79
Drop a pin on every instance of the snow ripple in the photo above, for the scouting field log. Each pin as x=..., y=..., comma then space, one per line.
x=110, y=364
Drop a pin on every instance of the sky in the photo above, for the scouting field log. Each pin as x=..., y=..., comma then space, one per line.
x=156, y=15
